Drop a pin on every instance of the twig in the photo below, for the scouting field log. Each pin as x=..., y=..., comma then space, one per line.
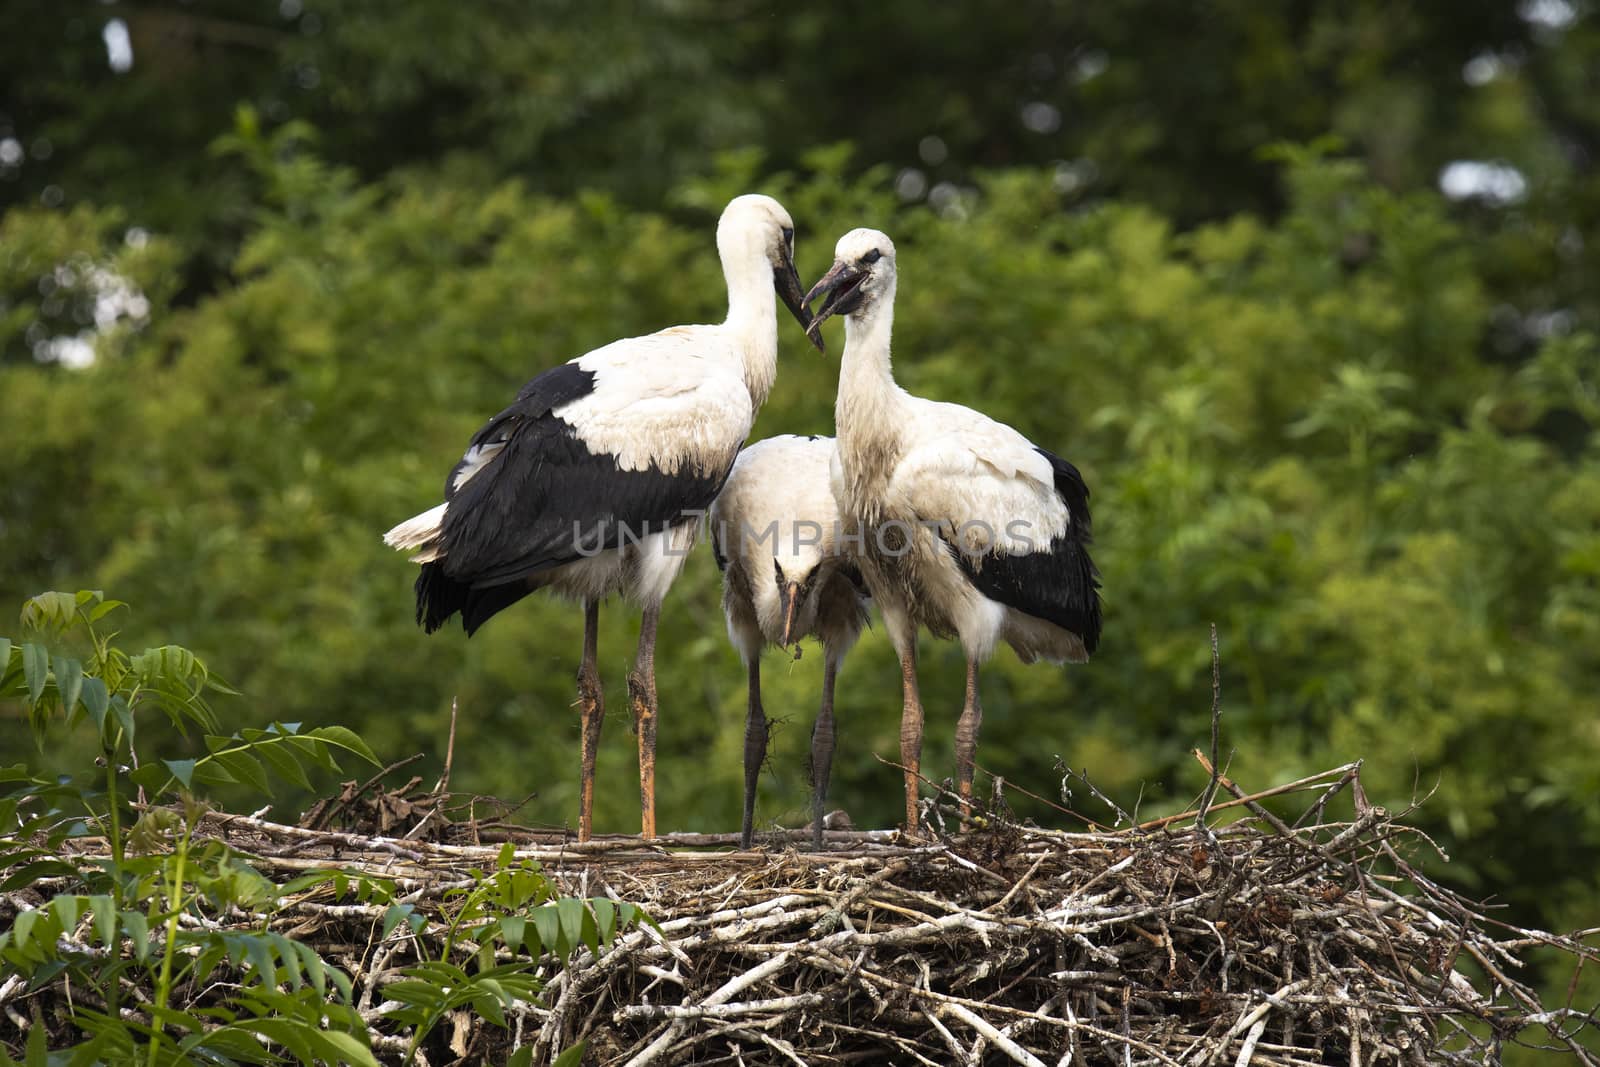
x=443, y=785
x=1216, y=724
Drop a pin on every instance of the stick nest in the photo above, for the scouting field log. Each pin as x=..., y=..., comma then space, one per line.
x=1178, y=941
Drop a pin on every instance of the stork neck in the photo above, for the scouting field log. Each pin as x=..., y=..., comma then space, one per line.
x=753, y=320
x=865, y=411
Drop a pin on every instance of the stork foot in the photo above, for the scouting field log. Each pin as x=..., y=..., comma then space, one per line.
x=592, y=713
x=967, y=743
x=755, y=754
x=642, y=697
x=822, y=755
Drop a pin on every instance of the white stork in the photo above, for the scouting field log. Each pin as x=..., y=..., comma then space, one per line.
x=775, y=529
x=963, y=525
x=594, y=481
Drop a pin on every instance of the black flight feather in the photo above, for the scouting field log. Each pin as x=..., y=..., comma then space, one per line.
x=1057, y=582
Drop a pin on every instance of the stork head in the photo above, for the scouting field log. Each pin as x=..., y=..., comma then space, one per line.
x=754, y=228
x=861, y=277
x=796, y=575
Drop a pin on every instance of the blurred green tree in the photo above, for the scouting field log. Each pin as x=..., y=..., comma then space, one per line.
x=257, y=289
x=1164, y=104
x=1310, y=453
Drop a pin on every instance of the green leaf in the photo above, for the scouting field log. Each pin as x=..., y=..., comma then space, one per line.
x=572, y=915
x=182, y=770
x=313, y=750
x=494, y=989
x=347, y=1048
x=243, y=768
x=104, y=608
x=605, y=918
x=150, y=776
x=548, y=923
x=52, y=611
x=344, y=738
x=278, y=756
x=315, y=967
x=29, y=873
x=228, y=1043
x=398, y=913
x=5, y=655
x=512, y=930
x=138, y=928
x=22, y=925
x=36, y=669
x=105, y=920
x=262, y=960
x=69, y=682
x=292, y=1034
x=97, y=699
x=571, y=1056
x=67, y=907
x=122, y=713
x=37, y=1052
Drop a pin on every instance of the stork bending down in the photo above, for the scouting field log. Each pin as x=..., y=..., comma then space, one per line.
x=594, y=480
x=964, y=525
x=775, y=530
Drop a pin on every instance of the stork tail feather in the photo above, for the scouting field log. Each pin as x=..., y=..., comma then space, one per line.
x=419, y=531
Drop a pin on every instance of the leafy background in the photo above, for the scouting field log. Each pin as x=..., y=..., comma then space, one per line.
x=1308, y=290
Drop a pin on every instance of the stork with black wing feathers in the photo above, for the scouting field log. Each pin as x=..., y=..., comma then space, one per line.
x=595, y=480
x=963, y=525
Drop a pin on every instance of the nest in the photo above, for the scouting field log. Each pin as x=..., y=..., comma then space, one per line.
x=1178, y=941
x=1223, y=935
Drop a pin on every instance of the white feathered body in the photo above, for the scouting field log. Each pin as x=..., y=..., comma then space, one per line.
x=776, y=519
x=923, y=479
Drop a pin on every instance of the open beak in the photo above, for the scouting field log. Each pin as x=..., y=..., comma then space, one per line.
x=786, y=280
x=788, y=600
x=838, y=284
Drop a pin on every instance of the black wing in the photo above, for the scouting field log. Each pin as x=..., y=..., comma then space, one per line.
x=542, y=499
x=1057, y=582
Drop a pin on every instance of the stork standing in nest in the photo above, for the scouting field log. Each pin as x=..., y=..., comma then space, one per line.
x=595, y=479
x=775, y=529
x=963, y=525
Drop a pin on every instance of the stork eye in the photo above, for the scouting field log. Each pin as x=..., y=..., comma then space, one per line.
x=777, y=571
x=872, y=256
x=788, y=237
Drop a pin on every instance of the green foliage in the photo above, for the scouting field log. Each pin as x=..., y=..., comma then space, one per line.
x=512, y=909
x=149, y=916
x=96, y=937
x=1200, y=251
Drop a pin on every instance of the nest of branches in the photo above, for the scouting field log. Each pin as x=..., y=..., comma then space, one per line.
x=1179, y=941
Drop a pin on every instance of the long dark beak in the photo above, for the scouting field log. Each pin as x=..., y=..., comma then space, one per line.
x=786, y=280
x=841, y=273
x=788, y=600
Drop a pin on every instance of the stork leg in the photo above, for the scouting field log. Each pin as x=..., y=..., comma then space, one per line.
x=642, y=695
x=911, y=731
x=592, y=712
x=822, y=752
x=755, y=752
x=967, y=738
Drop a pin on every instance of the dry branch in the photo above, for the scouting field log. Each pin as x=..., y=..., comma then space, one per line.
x=1259, y=942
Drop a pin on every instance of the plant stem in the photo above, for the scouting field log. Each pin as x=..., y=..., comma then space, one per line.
x=169, y=949
x=114, y=815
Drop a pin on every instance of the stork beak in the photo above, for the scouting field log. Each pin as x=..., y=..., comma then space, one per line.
x=840, y=277
x=788, y=599
x=786, y=280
